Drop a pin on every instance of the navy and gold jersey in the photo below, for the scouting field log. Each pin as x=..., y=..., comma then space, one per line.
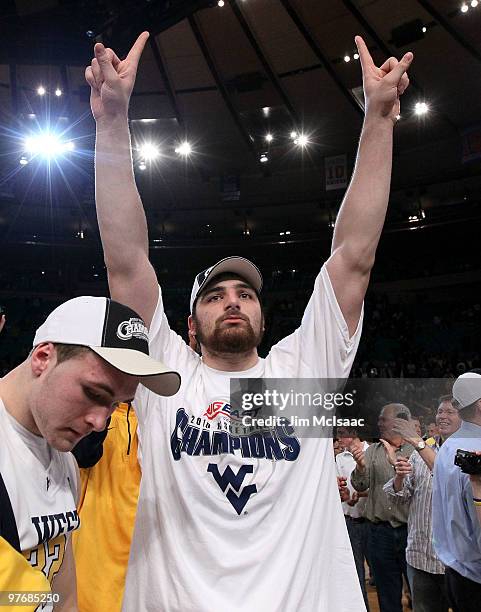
x=41, y=499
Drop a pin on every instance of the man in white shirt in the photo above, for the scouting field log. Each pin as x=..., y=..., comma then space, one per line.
x=225, y=522
x=353, y=507
x=89, y=354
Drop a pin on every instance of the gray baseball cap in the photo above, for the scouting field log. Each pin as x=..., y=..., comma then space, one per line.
x=238, y=265
x=467, y=389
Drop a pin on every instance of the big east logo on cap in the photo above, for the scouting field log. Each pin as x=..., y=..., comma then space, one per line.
x=113, y=331
x=133, y=327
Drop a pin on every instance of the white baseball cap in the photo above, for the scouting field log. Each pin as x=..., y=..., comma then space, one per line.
x=113, y=331
x=238, y=265
x=467, y=389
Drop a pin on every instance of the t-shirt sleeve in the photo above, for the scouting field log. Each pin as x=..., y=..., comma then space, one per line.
x=321, y=346
x=165, y=344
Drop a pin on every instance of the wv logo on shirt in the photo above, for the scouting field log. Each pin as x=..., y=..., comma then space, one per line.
x=232, y=483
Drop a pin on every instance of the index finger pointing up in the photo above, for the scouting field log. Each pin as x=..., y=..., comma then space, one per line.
x=364, y=55
x=137, y=48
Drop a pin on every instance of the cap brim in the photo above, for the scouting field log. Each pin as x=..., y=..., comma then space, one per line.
x=153, y=374
x=237, y=265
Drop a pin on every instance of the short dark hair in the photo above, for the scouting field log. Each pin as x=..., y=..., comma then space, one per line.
x=445, y=398
x=69, y=351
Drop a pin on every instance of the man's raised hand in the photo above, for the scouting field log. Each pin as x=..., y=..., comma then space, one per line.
x=385, y=84
x=112, y=80
x=357, y=452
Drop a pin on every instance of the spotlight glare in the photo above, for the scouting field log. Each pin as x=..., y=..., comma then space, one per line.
x=184, y=149
x=41, y=90
x=149, y=151
x=301, y=140
x=356, y=56
x=293, y=135
x=266, y=110
x=421, y=108
x=269, y=137
x=425, y=29
x=58, y=92
x=220, y=3
x=48, y=145
x=474, y=3
x=23, y=161
x=142, y=166
x=464, y=8
x=263, y=158
x=347, y=58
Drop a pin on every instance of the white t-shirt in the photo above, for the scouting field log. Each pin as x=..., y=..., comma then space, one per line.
x=42, y=495
x=220, y=531
x=345, y=465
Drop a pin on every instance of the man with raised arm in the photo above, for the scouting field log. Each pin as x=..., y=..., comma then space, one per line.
x=224, y=522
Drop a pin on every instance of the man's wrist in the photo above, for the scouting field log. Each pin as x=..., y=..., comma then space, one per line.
x=376, y=121
x=112, y=122
x=418, y=443
x=398, y=482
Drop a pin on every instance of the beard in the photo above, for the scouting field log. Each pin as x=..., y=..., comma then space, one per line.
x=239, y=338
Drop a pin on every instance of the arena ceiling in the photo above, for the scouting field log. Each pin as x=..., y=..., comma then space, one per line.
x=222, y=78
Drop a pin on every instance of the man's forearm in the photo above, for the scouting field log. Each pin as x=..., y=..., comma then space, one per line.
x=120, y=212
x=361, y=216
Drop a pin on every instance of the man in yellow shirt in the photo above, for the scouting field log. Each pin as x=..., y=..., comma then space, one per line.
x=107, y=508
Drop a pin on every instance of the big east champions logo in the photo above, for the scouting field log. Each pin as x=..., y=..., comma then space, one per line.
x=132, y=328
x=216, y=408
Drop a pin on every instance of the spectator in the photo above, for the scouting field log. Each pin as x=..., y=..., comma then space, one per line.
x=417, y=425
x=432, y=430
x=336, y=447
x=413, y=482
x=354, y=504
x=387, y=531
x=456, y=529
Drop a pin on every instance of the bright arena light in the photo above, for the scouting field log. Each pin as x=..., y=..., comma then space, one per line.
x=23, y=161
x=474, y=3
x=269, y=137
x=263, y=158
x=184, y=149
x=293, y=135
x=356, y=56
x=464, y=8
x=421, y=108
x=149, y=151
x=58, y=92
x=220, y=3
x=301, y=140
x=41, y=90
x=347, y=58
x=47, y=145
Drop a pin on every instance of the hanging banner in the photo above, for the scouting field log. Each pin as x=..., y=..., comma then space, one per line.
x=336, y=172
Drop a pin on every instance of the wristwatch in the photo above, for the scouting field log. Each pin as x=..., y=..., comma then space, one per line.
x=420, y=445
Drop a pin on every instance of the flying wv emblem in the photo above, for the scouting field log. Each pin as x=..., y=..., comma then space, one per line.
x=232, y=483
